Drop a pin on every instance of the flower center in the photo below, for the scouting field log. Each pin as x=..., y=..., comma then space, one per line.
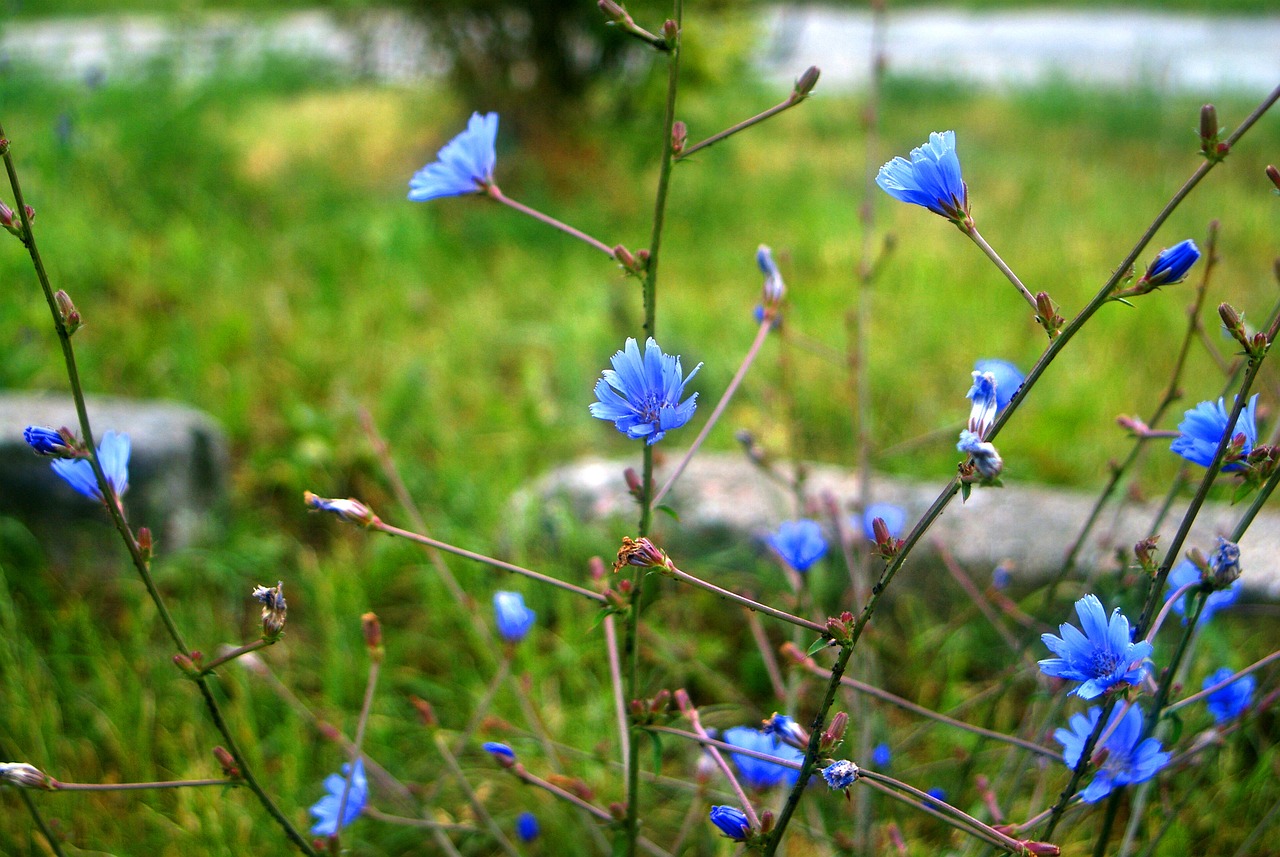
x=1105, y=663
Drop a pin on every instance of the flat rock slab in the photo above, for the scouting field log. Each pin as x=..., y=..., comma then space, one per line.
x=177, y=467
x=1029, y=528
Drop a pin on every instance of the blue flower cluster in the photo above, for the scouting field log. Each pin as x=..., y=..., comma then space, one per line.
x=757, y=773
x=1127, y=760
x=1203, y=426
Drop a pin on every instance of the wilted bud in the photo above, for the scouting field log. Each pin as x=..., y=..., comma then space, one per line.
x=23, y=776
x=1047, y=314
x=67, y=311
x=1145, y=551
x=350, y=509
x=372, y=629
x=1274, y=175
x=227, y=762
x=805, y=84
x=642, y=553
x=274, y=609
x=679, y=136
x=1224, y=563
x=1208, y=128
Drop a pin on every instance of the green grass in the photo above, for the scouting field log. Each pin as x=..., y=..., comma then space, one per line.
x=245, y=246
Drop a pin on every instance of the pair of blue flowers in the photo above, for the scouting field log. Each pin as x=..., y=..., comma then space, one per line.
x=113, y=455
x=800, y=544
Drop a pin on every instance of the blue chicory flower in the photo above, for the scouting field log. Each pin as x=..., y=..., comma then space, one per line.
x=774, y=287
x=513, y=619
x=894, y=517
x=732, y=822
x=499, y=751
x=1229, y=702
x=931, y=178
x=641, y=395
x=1172, y=263
x=465, y=164
x=113, y=455
x=1000, y=576
x=785, y=728
x=1008, y=379
x=982, y=414
x=840, y=775
x=881, y=756
x=1127, y=761
x=1100, y=658
x=45, y=441
x=757, y=773
x=325, y=810
x=799, y=543
x=527, y=827
x=1202, y=428
x=1186, y=572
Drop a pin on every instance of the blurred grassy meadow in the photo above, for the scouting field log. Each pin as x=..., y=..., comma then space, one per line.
x=243, y=244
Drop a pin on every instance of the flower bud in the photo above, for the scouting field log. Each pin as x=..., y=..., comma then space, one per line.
x=24, y=776
x=1039, y=849
x=1274, y=175
x=185, y=664
x=767, y=820
x=805, y=83
x=67, y=311
x=835, y=732
x=1047, y=314
x=683, y=702
x=671, y=32
x=679, y=136
x=501, y=753
x=1233, y=323
x=146, y=544
x=350, y=509
x=660, y=702
x=372, y=629
x=595, y=568
x=634, y=485
x=612, y=11
x=617, y=811
x=1224, y=563
x=426, y=714
x=624, y=258
x=227, y=762
x=46, y=441
x=6, y=215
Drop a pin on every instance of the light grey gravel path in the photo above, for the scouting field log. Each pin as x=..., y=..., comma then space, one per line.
x=1173, y=52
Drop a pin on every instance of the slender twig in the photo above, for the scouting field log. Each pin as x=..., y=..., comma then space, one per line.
x=425, y=823
x=619, y=704
x=790, y=101
x=1077, y=773
x=1217, y=686
x=56, y=785
x=477, y=806
x=362, y=722
x=390, y=530
x=54, y=845
x=742, y=600
x=232, y=654
x=691, y=712
x=718, y=411
x=915, y=708
x=766, y=652
x=494, y=193
x=986, y=248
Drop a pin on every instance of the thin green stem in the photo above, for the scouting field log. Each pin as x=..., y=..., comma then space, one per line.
x=1077, y=773
x=232, y=654
x=59, y=786
x=366, y=706
x=1108, y=822
x=54, y=845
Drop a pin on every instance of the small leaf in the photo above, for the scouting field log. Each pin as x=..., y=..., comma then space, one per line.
x=820, y=644
x=667, y=510
x=966, y=488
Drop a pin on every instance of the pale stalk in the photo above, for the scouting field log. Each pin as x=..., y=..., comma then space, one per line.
x=691, y=713
x=497, y=195
x=791, y=101
x=1214, y=688
x=742, y=600
x=972, y=232
x=752, y=352
x=366, y=706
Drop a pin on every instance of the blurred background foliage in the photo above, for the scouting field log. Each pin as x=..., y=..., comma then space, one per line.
x=242, y=243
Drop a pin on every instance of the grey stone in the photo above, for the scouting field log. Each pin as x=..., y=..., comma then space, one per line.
x=176, y=469
x=1027, y=527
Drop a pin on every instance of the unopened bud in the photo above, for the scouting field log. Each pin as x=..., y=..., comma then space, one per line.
x=372, y=629
x=835, y=732
x=617, y=811
x=624, y=258
x=67, y=311
x=350, y=509
x=573, y=785
x=24, y=776
x=1039, y=849
x=683, y=702
x=661, y=700
x=1274, y=175
x=31, y=213
x=806, y=82
x=634, y=485
x=671, y=32
x=1233, y=323
x=767, y=820
x=595, y=568
x=6, y=215
x=185, y=664
x=1208, y=123
x=1047, y=314
x=227, y=762
x=426, y=714
x=679, y=136
x=612, y=10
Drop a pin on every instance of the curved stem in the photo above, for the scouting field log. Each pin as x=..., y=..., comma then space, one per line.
x=744, y=601
x=493, y=192
x=790, y=102
x=972, y=232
